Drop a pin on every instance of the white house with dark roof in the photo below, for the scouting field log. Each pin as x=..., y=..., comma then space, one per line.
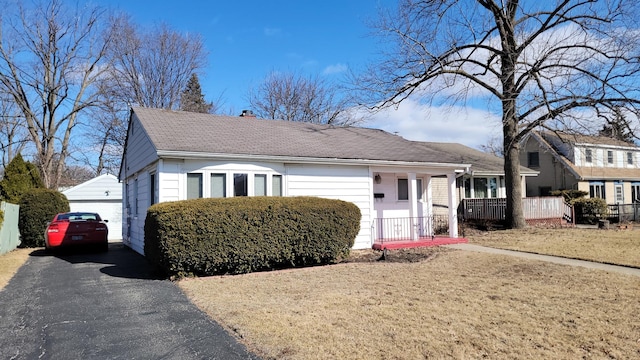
x=173, y=155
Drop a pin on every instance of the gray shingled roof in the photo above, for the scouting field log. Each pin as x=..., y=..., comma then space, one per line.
x=579, y=139
x=214, y=134
x=481, y=162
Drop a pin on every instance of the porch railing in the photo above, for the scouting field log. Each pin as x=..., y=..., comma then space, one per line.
x=534, y=208
x=410, y=228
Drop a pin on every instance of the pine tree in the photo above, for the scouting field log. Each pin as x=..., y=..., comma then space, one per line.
x=618, y=128
x=19, y=177
x=192, y=98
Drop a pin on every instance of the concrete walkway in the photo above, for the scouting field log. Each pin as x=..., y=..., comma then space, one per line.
x=552, y=259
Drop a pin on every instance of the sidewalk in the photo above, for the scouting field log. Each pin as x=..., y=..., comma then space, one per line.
x=548, y=258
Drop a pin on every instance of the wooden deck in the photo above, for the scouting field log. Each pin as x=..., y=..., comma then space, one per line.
x=421, y=242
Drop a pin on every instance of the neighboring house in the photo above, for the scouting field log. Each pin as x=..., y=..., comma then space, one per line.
x=172, y=155
x=102, y=195
x=604, y=167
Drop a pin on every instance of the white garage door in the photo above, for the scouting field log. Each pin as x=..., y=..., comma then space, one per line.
x=111, y=211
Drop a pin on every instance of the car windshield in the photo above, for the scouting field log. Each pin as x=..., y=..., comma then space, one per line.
x=79, y=217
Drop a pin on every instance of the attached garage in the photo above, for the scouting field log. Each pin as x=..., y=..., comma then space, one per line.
x=102, y=195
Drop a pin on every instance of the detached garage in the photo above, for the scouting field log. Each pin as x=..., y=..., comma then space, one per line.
x=102, y=195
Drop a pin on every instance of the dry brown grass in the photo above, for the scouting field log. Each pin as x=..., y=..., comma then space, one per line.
x=455, y=304
x=10, y=263
x=608, y=246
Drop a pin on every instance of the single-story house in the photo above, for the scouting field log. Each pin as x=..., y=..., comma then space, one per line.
x=174, y=155
x=102, y=195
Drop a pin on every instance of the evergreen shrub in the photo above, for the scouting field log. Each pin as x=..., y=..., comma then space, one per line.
x=590, y=210
x=246, y=234
x=37, y=208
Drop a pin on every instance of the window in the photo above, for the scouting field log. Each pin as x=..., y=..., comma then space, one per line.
x=480, y=188
x=533, y=159
x=194, y=186
x=218, y=185
x=596, y=189
x=588, y=156
x=630, y=158
x=403, y=189
x=467, y=188
x=493, y=187
x=635, y=192
x=545, y=190
x=260, y=185
x=240, y=185
x=152, y=189
x=276, y=185
x=135, y=197
x=610, y=157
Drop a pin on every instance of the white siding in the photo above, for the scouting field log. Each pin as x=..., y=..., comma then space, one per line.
x=139, y=151
x=348, y=183
x=134, y=234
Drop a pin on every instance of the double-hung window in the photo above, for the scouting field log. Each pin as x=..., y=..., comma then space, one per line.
x=596, y=189
x=533, y=159
x=218, y=185
x=194, y=185
x=588, y=156
x=240, y=185
x=403, y=189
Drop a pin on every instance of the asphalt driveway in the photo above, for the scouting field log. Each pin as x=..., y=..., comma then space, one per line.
x=104, y=306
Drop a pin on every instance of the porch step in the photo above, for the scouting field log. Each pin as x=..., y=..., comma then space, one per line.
x=403, y=244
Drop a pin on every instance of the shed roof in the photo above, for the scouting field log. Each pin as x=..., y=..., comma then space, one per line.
x=103, y=187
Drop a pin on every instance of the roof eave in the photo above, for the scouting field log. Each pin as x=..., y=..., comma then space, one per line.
x=172, y=154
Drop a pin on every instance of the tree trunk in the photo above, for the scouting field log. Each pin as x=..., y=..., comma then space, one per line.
x=514, y=215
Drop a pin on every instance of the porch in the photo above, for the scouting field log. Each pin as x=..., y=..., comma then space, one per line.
x=548, y=211
x=412, y=232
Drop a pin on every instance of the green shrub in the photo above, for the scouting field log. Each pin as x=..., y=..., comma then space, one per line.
x=37, y=208
x=1, y=218
x=245, y=234
x=570, y=195
x=589, y=210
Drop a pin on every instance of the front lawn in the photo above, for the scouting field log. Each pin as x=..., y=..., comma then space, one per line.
x=609, y=246
x=452, y=304
x=10, y=263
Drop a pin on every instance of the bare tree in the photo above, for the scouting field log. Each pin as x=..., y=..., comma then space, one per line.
x=13, y=134
x=537, y=61
x=291, y=97
x=50, y=56
x=151, y=68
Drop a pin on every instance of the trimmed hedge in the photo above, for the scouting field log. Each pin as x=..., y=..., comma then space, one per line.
x=37, y=208
x=246, y=234
x=590, y=210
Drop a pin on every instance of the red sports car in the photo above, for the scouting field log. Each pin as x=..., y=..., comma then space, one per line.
x=76, y=229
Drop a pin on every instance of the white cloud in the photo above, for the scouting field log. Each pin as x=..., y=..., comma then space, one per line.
x=420, y=122
x=334, y=69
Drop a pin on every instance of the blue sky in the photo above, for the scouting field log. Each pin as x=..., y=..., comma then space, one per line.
x=248, y=39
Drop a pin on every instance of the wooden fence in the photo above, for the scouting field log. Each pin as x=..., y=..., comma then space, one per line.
x=536, y=209
x=9, y=234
